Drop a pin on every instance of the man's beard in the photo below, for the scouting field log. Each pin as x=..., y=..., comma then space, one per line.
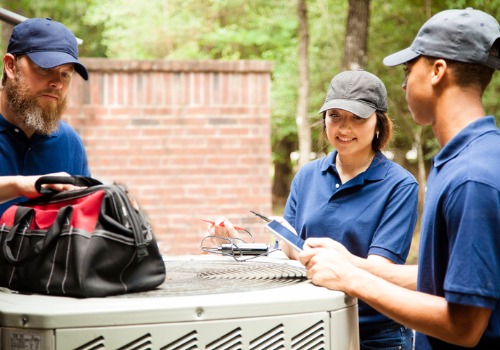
x=27, y=112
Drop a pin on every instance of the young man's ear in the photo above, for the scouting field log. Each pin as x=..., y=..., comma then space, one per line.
x=439, y=70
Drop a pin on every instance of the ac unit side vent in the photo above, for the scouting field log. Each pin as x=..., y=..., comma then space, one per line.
x=230, y=341
x=142, y=343
x=95, y=344
x=310, y=339
x=274, y=339
x=187, y=342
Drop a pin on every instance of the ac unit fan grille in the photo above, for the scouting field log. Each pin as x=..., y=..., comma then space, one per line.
x=195, y=277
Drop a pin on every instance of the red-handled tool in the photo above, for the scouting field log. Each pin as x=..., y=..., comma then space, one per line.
x=222, y=225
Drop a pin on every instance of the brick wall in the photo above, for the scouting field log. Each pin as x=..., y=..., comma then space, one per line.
x=190, y=139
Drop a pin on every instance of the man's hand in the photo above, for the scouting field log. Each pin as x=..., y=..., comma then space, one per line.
x=328, y=263
x=24, y=186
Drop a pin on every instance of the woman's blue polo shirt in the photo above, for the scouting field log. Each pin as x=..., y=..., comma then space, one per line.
x=373, y=213
x=459, y=256
x=62, y=151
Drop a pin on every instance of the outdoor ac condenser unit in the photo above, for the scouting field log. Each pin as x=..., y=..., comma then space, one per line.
x=205, y=303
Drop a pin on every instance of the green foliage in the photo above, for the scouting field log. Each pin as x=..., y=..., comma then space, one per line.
x=259, y=29
x=209, y=29
x=490, y=98
x=393, y=27
x=130, y=29
x=327, y=21
x=69, y=12
x=489, y=6
x=385, y=37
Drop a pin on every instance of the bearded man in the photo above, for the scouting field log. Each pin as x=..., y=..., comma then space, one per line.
x=39, y=66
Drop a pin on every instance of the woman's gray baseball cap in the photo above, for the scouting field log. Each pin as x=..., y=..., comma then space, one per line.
x=358, y=92
x=460, y=35
x=47, y=43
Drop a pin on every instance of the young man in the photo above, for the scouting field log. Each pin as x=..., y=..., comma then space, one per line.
x=457, y=299
x=41, y=59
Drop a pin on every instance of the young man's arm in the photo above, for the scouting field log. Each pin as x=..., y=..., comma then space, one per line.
x=428, y=314
x=401, y=275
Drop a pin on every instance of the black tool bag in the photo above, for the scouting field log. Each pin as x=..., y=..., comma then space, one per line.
x=89, y=242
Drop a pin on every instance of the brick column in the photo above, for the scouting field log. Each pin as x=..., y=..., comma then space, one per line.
x=190, y=139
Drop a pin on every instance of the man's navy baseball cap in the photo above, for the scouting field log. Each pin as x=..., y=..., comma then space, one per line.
x=460, y=35
x=47, y=43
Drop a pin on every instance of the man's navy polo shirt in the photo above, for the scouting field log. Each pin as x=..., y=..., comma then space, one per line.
x=459, y=256
x=373, y=213
x=62, y=151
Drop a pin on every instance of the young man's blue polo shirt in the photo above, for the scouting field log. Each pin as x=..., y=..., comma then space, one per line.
x=62, y=151
x=459, y=256
x=373, y=213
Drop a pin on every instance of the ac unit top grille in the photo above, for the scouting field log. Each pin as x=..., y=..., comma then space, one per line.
x=195, y=277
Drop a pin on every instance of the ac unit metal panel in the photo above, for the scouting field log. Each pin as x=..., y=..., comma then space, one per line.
x=291, y=315
x=243, y=333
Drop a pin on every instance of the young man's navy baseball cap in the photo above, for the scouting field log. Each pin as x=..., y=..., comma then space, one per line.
x=47, y=43
x=460, y=35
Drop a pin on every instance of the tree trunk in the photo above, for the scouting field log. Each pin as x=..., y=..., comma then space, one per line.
x=283, y=174
x=356, y=37
x=428, y=8
x=303, y=125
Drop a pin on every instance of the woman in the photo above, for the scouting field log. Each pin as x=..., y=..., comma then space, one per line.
x=355, y=195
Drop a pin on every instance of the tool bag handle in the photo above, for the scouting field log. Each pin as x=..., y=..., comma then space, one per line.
x=80, y=181
x=119, y=193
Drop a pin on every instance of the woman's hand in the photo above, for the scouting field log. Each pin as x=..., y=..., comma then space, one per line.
x=221, y=231
x=222, y=227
